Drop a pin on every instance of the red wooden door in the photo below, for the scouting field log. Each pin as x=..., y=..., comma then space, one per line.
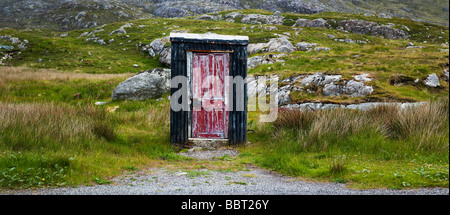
x=210, y=115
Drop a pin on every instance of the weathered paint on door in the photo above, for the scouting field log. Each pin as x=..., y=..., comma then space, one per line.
x=209, y=96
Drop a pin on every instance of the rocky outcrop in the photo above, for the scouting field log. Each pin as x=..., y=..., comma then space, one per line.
x=362, y=106
x=322, y=49
x=22, y=45
x=254, y=48
x=315, y=23
x=275, y=19
x=257, y=88
x=165, y=56
x=389, y=32
x=148, y=84
x=263, y=59
x=165, y=10
x=352, y=88
x=121, y=30
x=156, y=46
x=331, y=85
x=281, y=44
x=332, y=89
x=320, y=79
x=412, y=46
x=356, y=26
x=11, y=39
x=365, y=77
x=446, y=75
x=209, y=17
x=357, y=89
x=303, y=46
x=372, y=28
x=432, y=80
x=81, y=14
x=351, y=41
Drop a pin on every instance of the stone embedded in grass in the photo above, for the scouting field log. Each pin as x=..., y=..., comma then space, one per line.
x=263, y=59
x=446, y=76
x=148, y=84
x=275, y=19
x=316, y=23
x=234, y=15
x=414, y=47
x=254, y=61
x=283, y=95
x=280, y=44
x=332, y=89
x=363, y=77
x=205, y=17
x=156, y=47
x=270, y=28
x=165, y=56
x=303, y=46
x=319, y=79
x=118, y=31
x=101, y=103
x=357, y=89
x=322, y=49
x=432, y=81
x=254, y=48
x=121, y=30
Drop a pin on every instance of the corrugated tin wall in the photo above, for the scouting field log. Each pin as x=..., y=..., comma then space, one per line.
x=238, y=66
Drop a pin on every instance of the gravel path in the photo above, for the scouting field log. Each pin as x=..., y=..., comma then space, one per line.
x=255, y=181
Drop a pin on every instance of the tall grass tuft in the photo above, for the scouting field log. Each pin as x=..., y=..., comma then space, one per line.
x=295, y=119
x=424, y=127
x=158, y=118
x=50, y=126
x=337, y=166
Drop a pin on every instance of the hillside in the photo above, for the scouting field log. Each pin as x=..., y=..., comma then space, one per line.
x=60, y=127
x=82, y=14
x=393, y=64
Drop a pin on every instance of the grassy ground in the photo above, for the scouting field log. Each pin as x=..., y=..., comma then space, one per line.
x=384, y=147
x=58, y=140
x=53, y=135
x=382, y=58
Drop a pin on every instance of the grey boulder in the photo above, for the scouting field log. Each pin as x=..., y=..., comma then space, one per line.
x=144, y=85
x=316, y=23
x=357, y=89
x=165, y=56
x=332, y=89
x=281, y=44
x=303, y=46
x=446, y=78
x=322, y=49
x=432, y=81
x=319, y=79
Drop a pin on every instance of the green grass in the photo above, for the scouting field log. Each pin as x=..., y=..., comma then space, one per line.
x=384, y=147
x=53, y=135
x=50, y=144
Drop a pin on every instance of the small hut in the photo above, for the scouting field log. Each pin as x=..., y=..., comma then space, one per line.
x=208, y=89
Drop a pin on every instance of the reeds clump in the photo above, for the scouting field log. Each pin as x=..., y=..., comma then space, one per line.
x=51, y=126
x=422, y=127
